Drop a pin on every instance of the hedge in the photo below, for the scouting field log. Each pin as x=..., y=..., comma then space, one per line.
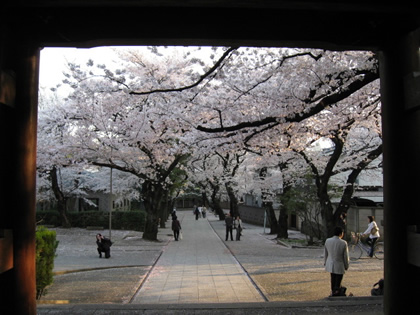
x=121, y=220
x=46, y=245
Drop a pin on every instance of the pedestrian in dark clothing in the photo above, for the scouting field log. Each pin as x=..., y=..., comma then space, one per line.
x=104, y=245
x=176, y=227
x=229, y=226
x=196, y=212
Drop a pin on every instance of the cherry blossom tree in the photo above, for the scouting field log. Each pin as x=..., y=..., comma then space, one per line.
x=60, y=177
x=148, y=115
x=302, y=96
x=50, y=161
x=206, y=172
x=108, y=127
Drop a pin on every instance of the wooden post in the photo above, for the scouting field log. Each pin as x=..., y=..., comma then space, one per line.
x=25, y=135
x=401, y=130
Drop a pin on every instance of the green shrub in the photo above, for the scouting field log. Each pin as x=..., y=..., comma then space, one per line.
x=46, y=245
x=88, y=218
x=48, y=217
x=121, y=220
x=128, y=220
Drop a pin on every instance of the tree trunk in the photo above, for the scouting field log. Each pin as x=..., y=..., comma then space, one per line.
x=153, y=194
x=274, y=226
x=233, y=201
x=204, y=201
x=268, y=205
x=345, y=202
x=218, y=210
x=215, y=202
x=327, y=211
x=61, y=199
x=327, y=214
x=151, y=227
x=164, y=210
x=283, y=216
x=282, y=223
x=171, y=206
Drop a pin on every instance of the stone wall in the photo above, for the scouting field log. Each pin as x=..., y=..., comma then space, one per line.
x=253, y=215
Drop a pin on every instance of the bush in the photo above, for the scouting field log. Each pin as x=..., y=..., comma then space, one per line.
x=88, y=218
x=49, y=217
x=128, y=220
x=46, y=245
x=124, y=220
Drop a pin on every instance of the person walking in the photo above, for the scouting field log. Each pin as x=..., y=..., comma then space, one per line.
x=196, y=212
x=372, y=232
x=229, y=226
x=336, y=260
x=176, y=227
x=173, y=213
x=238, y=224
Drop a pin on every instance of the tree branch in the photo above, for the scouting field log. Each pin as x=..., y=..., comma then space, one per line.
x=201, y=79
x=298, y=117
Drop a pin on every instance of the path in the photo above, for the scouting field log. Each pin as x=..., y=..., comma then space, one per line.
x=197, y=269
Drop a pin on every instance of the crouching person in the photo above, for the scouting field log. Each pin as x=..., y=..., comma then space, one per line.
x=104, y=245
x=379, y=290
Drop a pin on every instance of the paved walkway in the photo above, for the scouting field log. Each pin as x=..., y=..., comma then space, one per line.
x=197, y=275
x=197, y=269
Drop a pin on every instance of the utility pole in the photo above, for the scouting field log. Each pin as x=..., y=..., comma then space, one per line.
x=110, y=201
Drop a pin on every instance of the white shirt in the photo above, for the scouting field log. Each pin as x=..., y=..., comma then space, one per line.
x=369, y=228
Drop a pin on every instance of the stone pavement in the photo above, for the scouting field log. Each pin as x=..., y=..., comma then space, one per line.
x=200, y=274
x=197, y=269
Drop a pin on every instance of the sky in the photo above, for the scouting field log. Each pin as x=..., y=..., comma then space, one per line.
x=53, y=62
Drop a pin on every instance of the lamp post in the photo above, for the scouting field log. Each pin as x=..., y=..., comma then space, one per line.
x=110, y=203
x=265, y=218
x=110, y=200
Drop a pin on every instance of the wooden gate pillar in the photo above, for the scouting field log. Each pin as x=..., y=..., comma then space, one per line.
x=400, y=95
x=19, y=68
